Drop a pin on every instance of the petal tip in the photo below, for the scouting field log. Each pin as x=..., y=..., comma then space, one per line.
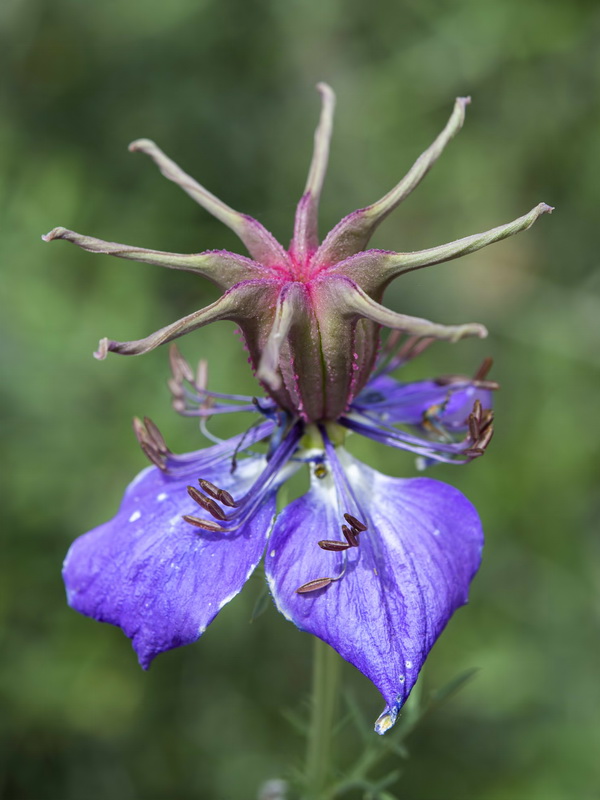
x=387, y=720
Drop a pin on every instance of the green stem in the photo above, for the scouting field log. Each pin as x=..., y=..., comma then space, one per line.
x=325, y=691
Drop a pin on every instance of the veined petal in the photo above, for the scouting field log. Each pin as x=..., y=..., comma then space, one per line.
x=410, y=571
x=261, y=245
x=306, y=240
x=422, y=401
x=156, y=576
x=352, y=234
x=223, y=268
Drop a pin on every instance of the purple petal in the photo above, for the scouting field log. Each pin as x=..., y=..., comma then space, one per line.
x=411, y=570
x=407, y=403
x=158, y=577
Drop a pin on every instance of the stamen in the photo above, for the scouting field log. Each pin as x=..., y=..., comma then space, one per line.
x=151, y=441
x=473, y=427
x=479, y=422
x=313, y=586
x=156, y=436
x=481, y=430
x=333, y=545
x=205, y=524
x=153, y=456
x=478, y=380
x=355, y=523
x=179, y=366
x=254, y=496
x=351, y=535
x=219, y=494
x=484, y=369
x=394, y=356
x=206, y=503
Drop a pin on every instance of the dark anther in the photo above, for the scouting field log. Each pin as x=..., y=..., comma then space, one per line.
x=414, y=346
x=446, y=380
x=478, y=380
x=484, y=369
x=156, y=436
x=481, y=430
x=151, y=442
x=331, y=544
x=355, y=523
x=219, y=494
x=203, y=523
x=486, y=419
x=179, y=366
x=486, y=437
x=206, y=503
x=351, y=535
x=209, y=488
x=313, y=586
x=473, y=427
x=156, y=458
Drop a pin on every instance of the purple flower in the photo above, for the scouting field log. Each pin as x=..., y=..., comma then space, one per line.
x=373, y=565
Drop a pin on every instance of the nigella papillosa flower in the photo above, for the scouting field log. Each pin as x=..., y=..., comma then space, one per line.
x=373, y=565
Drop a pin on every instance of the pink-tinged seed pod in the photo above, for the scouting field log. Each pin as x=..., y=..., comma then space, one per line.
x=310, y=315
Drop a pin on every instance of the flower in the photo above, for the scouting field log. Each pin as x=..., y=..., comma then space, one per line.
x=373, y=565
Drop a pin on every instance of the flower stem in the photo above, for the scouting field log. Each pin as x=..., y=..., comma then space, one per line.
x=325, y=691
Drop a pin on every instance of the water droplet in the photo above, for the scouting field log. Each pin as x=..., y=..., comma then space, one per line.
x=408, y=664
x=135, y=516
x=162, y=496
x=272, y=553
x=436, y=532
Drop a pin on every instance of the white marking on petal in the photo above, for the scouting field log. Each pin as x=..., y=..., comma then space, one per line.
x=135, y=516
x=228, y=599
x=271, y=584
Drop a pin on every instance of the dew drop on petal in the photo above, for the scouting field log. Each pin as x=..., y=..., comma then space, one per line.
x=272, y=553
x=408, y=664
x=135, y=516
x=436, y=532
x=162, y=496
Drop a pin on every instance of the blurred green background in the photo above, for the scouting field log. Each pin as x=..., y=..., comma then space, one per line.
x=226, y=87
